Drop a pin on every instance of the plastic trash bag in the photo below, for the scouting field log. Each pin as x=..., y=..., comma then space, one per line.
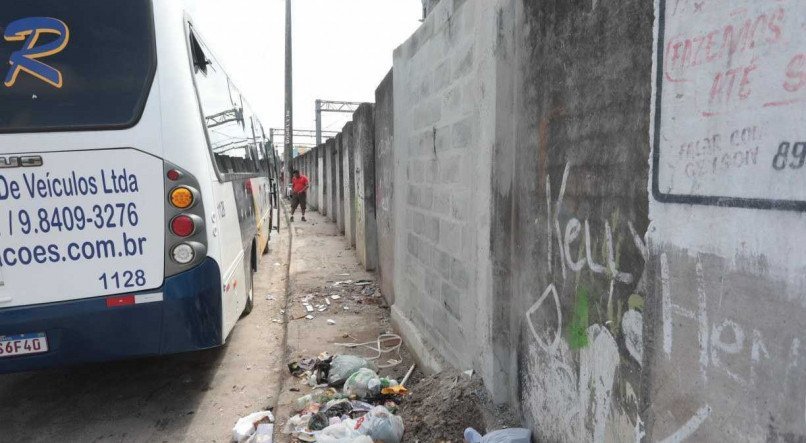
x=382, y=426
x=264, y=434
x=344, y=432
x=246, y=426
x=363, y=384
x=512, y=435
x=297, y=423
x=343, y=366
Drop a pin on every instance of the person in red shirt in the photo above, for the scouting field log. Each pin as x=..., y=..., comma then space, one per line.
x=299, y=193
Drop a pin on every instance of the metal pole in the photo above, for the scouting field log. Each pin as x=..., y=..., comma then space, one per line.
x=289, y=96
x=318, y=122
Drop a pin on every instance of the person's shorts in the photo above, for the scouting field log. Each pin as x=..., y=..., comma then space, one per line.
x=299, y=199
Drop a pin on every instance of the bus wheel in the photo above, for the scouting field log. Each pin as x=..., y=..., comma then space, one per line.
x=250, y=298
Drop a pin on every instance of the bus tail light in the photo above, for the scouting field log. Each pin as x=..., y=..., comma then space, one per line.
x=183, y=253
x=184, y=225
x=173, y=175
x=185, y=231
x=183, y=197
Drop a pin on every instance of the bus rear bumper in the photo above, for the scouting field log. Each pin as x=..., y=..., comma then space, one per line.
x=184, y=315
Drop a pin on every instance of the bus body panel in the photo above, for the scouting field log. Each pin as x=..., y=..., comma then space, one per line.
x=84, y=331
x=193, y=310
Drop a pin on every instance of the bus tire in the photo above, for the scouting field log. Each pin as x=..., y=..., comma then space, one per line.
x=250, y=271
x=250, y=298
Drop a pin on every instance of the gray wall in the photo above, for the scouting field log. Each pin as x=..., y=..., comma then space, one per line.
x=384, y=185
x=332, y=180
x=443, y=85
x=348, y=161
x=610, y=275
x=339, y=162
x=366, y=232
x=321, y=178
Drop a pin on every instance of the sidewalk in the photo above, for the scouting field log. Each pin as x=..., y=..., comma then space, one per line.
x=320, y=258
x=322, y=265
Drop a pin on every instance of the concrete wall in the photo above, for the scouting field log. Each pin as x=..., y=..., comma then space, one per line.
x=727, y=309
x=313, y=193
x=332, y=180
x=348, y=162
x=340, y=182
x=366, y=232
x=384, y=185
x=443, y=91
x=596, y=215
x=321, y=178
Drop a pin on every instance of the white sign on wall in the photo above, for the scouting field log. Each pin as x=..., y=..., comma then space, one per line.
x=730, y=127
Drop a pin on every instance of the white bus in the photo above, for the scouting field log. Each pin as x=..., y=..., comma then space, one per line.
x=136, y=185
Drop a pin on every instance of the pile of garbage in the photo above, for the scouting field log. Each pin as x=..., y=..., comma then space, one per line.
x=350, y=402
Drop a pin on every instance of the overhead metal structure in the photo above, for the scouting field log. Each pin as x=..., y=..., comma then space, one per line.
x=331, y=106
x=230, y=115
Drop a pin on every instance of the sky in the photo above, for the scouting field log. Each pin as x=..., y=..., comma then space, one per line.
x=342, y=50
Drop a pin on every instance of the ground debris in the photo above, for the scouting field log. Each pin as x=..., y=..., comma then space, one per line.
x=441, y=407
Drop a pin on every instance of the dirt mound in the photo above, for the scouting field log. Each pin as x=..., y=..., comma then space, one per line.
x=441, y=407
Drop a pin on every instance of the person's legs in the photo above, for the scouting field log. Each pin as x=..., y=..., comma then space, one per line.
x=294, y=204
x=304, y=202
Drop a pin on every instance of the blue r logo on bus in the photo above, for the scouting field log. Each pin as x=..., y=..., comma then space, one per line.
x=30, y=30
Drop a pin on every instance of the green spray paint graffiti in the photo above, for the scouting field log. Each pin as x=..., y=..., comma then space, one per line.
x=577, y=329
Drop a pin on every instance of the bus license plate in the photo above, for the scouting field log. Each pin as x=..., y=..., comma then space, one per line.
x=12, y=345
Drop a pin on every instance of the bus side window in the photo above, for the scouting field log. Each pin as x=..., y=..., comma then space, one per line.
x=200, y=60
x=233, y=129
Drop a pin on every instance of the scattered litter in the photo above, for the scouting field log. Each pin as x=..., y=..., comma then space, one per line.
x=512, y=435
x=327, y=300
x=277, y=320
x=308, y=308
x=335, y=297
x=295, y=369
x=346, y=308
x=343, y=366
x=323, y=309
x=363, y=283
x=395, y=390
x=382, y=425
x=364, y=383
x=318, y=422
x=340, y=283
x=264, y=434
x=408, y=375
x=469, y=373
x=271, y=297
x=344, y=275
x=247, y=426
x=309, y=317
x=331, y=322
x=378, y=347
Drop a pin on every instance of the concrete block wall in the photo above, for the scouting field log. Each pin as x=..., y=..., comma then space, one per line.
x=441, y=151
x=339, y=161
x=600, y=228
x=366, y=231
x=321, y=179
x=348, y=165
x=384, y=185
x=344, y=180
x=332, y=181
x=313, y=200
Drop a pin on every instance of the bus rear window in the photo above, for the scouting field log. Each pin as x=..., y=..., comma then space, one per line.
x=75, y=65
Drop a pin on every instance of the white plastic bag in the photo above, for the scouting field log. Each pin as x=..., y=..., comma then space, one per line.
x=343, y=366
x=382, y=426
x=245, y=426
x=343, y=432
x=512, y=435
x=363, y=384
